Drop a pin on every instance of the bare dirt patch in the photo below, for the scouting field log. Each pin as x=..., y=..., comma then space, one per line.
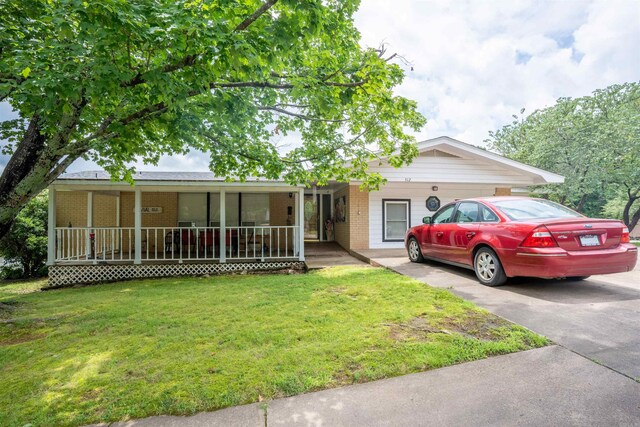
x=473, y=324
x=19, y=339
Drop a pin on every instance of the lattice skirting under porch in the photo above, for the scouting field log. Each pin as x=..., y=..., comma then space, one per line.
x=64, y=275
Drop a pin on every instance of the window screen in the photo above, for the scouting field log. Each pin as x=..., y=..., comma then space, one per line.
x=192, y=208
x=255, y=208
x=396, y=219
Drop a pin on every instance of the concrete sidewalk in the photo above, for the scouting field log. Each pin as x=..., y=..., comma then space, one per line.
x=547, y=386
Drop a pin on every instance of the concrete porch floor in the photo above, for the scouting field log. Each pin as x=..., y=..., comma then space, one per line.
x=328, y=254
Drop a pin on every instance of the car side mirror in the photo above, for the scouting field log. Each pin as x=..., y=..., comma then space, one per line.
x=426, y=220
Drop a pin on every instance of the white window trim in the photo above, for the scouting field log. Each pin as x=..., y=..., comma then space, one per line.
x=385, y=202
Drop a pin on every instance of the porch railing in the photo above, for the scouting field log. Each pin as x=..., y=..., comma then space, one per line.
x=96, y=244
x=261, y=242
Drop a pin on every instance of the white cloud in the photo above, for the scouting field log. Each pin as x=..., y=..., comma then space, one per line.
x=467, y=77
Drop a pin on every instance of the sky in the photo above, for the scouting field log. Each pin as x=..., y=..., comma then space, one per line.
x=476, y=63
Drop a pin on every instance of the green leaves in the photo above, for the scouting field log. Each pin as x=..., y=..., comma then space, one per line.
x=231, y=78
x=593, y=141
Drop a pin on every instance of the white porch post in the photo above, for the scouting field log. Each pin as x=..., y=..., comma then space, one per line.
x=223, y=225
x=137, y=223
x=118, y=243
x=51, y=240
x=301, y=224
x=118, y=210
x=89, y=223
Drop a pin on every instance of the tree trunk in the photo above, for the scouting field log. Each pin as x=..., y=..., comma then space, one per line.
x=20, y=164
x=18, y=194
x=38, y=160
x=631, y=220
x=580, y=205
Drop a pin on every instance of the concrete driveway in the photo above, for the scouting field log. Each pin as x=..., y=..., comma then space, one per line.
x=598, y=318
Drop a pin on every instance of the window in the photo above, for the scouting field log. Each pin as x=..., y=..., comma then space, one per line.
x=467, y=212
x=231, y=209
x=395, y=219
x=255, y=209
x=192, y=208
x=522, y=209
x=487, y=215
x=444, y=215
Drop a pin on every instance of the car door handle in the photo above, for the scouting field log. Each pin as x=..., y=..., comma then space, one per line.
x=439, y=233
x=470, y=234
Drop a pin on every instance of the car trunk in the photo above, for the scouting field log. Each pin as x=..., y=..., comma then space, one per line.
x=577, y=234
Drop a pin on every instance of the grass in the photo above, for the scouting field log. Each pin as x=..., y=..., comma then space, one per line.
x=182, y=345
x=636, y=242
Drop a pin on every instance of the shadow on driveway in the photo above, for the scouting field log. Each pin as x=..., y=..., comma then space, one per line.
x=592, y=290
x=564, y=292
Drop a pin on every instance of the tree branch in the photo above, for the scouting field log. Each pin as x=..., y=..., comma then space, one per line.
x=255, y=15
x=190, y=60
x=300, y=116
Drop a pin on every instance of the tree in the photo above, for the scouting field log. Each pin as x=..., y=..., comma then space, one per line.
x=114, y=80
x=26, y=241
x=594, y=141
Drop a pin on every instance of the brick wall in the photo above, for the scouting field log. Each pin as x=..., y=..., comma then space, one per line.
x=71, y=207
x=359, y=218
x=341, y=229
x=278, y=206
x=501, y=191
x=167, y=201
x=104, y=210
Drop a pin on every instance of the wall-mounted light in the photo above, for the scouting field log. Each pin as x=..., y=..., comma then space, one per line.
x=291, y=195
x=434, y=188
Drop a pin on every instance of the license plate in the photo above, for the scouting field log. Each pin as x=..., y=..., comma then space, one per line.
x=589, y=240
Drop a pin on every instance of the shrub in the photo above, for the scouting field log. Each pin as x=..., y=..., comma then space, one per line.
x=26, y=242
x=10, y=272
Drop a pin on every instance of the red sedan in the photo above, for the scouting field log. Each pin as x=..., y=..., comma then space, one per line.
x=502, y=237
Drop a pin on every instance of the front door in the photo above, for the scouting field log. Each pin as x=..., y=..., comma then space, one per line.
x=311, y=225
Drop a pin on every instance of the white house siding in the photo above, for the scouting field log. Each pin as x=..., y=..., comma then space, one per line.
x=417, y=193
x=449, y=169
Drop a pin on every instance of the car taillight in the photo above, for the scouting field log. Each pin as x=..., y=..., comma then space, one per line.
x=539, y=238
x=625, y=236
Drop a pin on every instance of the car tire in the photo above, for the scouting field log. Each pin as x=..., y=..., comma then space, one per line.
x=488, y=268
x=413, y=249
x=576, y=278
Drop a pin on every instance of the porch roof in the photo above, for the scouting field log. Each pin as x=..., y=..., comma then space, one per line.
x=181, y=176
x=162, y=181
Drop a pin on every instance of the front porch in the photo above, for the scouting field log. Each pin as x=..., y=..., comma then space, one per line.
x=101, y=230
x=100, y=222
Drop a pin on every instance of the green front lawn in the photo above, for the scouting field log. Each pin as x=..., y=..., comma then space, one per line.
x=178, y=346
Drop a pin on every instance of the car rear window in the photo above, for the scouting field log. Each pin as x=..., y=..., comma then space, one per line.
x=523, y=209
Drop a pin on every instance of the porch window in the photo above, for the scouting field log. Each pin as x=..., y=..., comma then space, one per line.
x=395, y=219
x=192, y=207
x=255, y=208
x=231, y=211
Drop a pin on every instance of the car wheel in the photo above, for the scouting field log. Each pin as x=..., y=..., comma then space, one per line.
x=415, y=254
x=488, y=268
x=576, y=278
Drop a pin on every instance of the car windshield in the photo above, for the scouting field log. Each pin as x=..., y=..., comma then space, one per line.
x=522, y=209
